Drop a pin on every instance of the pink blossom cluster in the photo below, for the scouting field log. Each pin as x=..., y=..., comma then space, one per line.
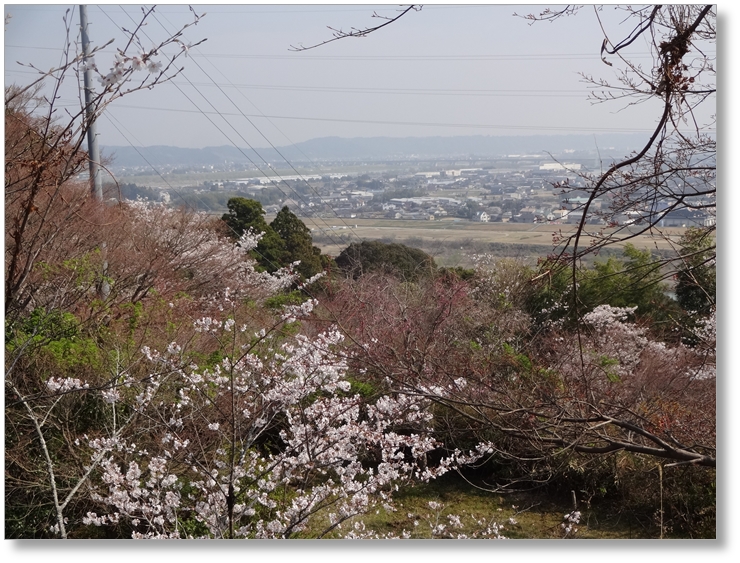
x=123, y=66
x=569, y=523
x=338, y=456
x=189, y=243
x=437, y=524
x=631, y=346
x=63, y=385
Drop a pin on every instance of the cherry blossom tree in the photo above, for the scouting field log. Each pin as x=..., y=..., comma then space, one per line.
x=264, y=444
x=43, y=150
x=59, y=363
x=608, y=387
x=241, y=427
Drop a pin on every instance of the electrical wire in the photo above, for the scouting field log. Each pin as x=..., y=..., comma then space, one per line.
x=237, y=132
x=270, y=142
x=412, y=123
x=238, y=148
x=303, y=179
x=385, y=58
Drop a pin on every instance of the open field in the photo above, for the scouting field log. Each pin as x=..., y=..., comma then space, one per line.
x=443, y=238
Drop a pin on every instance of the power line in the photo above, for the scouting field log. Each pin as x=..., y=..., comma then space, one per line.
x=328, y=10
x=305, y=181
x=170, y=186
x=252, y=148
x=386, y=122
x=409, y=91
x=419, y=58
x=400, y=58
x=389, y=91
x=385, y=91
x=409, y=123
x=235, y=130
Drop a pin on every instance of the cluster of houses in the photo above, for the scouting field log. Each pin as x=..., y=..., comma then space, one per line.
x=475, y=194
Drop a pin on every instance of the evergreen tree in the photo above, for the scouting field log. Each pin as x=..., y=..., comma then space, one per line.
x=297, y=242
x=635, y=281
x=407, y=262
x=247, y=213
x=243, y=214
x=697, y=278
x=286, y=239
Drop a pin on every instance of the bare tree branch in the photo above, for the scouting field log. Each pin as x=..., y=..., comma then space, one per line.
x=340, y=34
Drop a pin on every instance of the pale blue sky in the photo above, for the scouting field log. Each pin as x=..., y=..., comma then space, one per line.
x=446, y=70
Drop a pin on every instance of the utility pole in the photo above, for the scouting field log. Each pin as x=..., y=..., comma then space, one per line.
x=96, y=182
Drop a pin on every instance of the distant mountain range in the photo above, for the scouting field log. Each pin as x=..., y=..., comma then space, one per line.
x=336, y=149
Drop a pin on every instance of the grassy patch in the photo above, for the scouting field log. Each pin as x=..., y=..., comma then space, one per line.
x=450, y=507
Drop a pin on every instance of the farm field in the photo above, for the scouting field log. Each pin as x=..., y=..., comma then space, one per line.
x=525, y=239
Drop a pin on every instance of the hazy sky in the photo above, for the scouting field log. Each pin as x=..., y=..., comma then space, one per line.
x=445, y=70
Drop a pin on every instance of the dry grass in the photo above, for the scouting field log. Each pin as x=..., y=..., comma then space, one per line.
x=449, y=240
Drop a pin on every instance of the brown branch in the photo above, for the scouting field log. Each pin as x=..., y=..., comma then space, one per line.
x=339, y=34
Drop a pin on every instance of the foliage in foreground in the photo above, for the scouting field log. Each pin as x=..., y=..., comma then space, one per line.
x=161, y=382
x=212, y=406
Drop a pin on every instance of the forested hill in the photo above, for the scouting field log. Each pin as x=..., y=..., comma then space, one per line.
x=381, y=148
